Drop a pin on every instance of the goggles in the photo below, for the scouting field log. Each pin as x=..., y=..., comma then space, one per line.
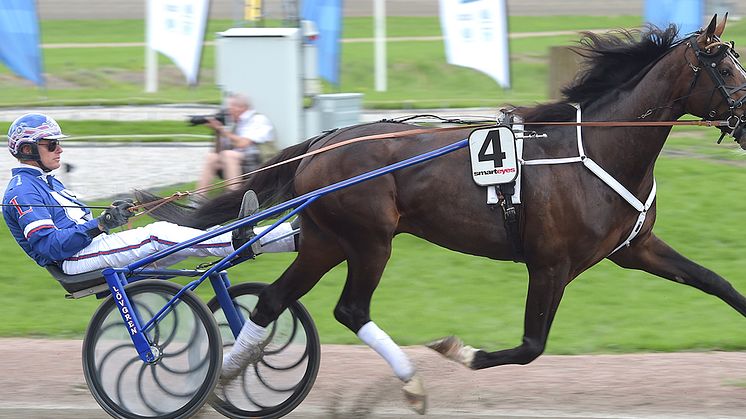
x=51, y=144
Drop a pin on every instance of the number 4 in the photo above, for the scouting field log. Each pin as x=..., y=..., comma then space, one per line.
x=497, y=154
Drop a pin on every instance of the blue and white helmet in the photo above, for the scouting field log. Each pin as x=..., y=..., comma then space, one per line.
x=30, y=129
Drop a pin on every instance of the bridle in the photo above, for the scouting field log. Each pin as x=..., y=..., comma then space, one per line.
x=708, y=60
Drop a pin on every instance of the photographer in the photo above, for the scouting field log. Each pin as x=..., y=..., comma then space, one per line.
x=240, y=147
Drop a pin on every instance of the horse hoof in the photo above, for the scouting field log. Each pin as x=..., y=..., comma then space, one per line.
x=414, y=393
x=444, y=345
x=454, y=349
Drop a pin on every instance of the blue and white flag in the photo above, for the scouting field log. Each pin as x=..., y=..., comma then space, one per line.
x=686, y=14
x=476, y=36
x=177, y=29
x=327, y=14
x=19, y=39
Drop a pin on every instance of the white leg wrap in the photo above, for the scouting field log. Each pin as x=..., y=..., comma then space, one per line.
x=244, y=348
x=278, y=240
x=251, y=334
x=380, y=342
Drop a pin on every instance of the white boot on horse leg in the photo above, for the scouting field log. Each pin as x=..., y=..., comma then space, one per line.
x=454, y=349
x=379, y=341
x=247, y=349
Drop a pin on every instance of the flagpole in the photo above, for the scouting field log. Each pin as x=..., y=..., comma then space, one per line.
x=379, y=13
x=151, y=56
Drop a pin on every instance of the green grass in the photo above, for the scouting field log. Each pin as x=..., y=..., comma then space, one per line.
x=427, y=292
x=119, y=30
x=417, y=73
x=84, y=128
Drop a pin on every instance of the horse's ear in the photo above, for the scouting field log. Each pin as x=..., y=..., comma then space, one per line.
x=721, y=27
x=711, y=27
x=705, y=38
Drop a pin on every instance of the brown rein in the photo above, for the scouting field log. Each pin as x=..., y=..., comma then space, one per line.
x=700, y=123
x=151, y=206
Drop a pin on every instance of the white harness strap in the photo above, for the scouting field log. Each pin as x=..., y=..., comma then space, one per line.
x=606, y=178
x=640, y=220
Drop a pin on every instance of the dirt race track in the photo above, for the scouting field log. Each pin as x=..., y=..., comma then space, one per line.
x=43, y=378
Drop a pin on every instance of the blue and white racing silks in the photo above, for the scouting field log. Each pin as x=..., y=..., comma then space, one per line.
x=49, y=234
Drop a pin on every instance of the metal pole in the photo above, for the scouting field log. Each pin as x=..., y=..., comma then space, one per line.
x=379, y=13
x=151, y=56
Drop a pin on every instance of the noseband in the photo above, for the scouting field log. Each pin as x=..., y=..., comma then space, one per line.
x=709, y=60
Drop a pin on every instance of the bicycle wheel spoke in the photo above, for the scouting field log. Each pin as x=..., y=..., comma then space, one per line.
x=290, y=338
x=141, y=387
x=270, y=386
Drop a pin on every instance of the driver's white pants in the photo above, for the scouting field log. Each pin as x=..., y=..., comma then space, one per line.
x=120, y=249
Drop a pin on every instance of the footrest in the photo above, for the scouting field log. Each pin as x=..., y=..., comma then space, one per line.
x=75, y=283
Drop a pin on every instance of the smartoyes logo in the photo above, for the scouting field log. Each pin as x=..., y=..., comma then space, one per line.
x=495, y=171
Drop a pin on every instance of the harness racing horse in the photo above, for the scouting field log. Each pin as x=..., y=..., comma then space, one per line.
x=570, y=218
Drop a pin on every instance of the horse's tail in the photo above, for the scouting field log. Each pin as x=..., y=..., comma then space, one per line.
x=271, y=186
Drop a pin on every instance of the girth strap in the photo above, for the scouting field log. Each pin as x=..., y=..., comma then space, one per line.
x=511, y=220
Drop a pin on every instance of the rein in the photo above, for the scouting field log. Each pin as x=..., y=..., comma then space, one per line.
x=55, y=206
x=701, y=123
x=151, y=206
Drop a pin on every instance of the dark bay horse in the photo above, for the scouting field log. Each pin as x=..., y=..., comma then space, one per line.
x=570, y=218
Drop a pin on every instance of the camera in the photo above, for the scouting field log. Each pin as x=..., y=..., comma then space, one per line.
x=221, y=116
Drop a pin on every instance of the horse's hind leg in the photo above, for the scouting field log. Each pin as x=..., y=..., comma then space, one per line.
x=545, y=289
x=653, y=255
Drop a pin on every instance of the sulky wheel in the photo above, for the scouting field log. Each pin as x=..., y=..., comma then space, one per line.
x=280, y=381
x=179, y=382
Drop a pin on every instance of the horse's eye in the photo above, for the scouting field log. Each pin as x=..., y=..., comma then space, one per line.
x=725, y=72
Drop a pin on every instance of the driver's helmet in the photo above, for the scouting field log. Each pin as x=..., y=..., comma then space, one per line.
x=30, y=129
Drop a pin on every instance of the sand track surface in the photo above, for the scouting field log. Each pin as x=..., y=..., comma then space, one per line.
x=43, y=378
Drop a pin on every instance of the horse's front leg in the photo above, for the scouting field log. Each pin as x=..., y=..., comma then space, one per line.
x=653, y=255
x=545, y=288
x=365, y=266
x=317, y=254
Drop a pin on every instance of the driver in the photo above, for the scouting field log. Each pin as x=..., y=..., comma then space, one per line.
x=55, y=228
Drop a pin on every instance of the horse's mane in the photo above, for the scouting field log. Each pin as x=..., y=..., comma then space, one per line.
x=611, y=61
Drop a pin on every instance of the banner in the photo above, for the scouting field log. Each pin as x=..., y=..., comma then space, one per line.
x=476, y=36
x=177, y=29
x=19, y=35
x=327, y=14
x=686, y=14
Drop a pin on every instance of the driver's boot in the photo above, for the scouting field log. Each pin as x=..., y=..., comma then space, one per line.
x=241, y=235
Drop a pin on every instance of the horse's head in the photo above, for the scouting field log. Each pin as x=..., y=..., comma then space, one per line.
x=720, y=93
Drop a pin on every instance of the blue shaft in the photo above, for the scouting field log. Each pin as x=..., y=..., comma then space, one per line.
x=223, y=263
